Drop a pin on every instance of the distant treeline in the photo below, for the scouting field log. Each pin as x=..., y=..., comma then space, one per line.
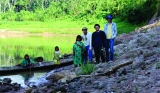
x=134, y=11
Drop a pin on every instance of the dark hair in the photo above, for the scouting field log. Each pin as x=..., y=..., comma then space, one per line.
x=79, y=37
x=96, y=25
x=26, y=55
x=56, y=47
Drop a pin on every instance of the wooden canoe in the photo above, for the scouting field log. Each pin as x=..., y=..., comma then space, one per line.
x=46, y=65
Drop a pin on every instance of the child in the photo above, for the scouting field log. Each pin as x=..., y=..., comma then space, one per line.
x=57, y=57
x=27, y=62
x=78, y=49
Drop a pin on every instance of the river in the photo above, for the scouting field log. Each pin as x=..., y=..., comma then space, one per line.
x=13, y=49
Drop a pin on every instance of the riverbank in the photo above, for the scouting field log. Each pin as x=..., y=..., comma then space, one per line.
x=136, y=69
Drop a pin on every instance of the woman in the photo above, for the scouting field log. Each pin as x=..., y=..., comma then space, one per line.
x=27, y=62
x=78, y=49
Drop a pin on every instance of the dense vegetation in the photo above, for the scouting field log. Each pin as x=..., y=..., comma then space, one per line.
x=134, y=11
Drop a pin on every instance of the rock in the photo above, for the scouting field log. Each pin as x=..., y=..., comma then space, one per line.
x=5, y=88
x=16, y=86
x=152, y=43
x=7, y=80
x=78, y=71
x=28, y=90
x=101, y=85
x=142, y=40
x=34, y=91
x=55, y=77
x=122, y=71
x=157, y=65
x=148, y=53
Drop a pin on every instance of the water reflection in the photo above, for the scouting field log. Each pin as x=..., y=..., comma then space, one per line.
x=27, y=76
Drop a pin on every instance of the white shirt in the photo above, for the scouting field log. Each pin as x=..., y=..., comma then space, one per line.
x=87, y=39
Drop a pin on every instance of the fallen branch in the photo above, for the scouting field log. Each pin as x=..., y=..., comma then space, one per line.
x=113, y=68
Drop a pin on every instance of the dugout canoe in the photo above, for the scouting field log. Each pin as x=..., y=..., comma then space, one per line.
x=46, y=65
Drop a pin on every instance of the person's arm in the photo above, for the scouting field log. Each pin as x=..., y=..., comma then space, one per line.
x=105, y=28
x=60, y=55
x=23, y=63
x=90, y=41
x=83, y=46
x=82, y=37
x=114, y=30
x=73, y=50
x=104, y=39
x=31, y=61
x=54, y=55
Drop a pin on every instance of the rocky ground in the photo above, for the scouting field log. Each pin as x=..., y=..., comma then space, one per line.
x=135, y=70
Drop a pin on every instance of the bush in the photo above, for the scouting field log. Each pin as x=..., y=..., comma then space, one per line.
x=87, y=68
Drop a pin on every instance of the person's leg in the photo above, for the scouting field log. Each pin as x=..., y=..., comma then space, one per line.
x=102, y=55
x=107, y=50
x=97, y=55
x=90, y=55
x=85, y=56
x=111, y=49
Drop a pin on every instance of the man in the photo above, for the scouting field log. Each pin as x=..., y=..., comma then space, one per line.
x=98, y=43
x=110, y=30
x=87, y=36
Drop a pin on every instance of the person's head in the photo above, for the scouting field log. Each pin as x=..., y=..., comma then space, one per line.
x=84, y=29
x=79, y=38
x=56, y=48
x=26, y=56
x=109, y=18
x=97, y=27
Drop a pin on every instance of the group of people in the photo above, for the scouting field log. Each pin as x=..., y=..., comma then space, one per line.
x=101, y=42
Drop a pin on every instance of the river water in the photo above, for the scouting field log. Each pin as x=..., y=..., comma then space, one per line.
x=13, y=49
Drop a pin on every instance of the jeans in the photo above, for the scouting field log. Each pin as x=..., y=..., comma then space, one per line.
x=87, y=54
x=109, y=46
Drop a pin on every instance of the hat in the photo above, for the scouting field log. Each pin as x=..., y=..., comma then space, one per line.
x=84, y=28
x=109, y=17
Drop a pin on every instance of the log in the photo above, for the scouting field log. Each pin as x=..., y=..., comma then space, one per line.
x=111, y=69
x=114, y=68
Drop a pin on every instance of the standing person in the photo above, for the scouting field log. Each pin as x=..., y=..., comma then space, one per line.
x=98, y=43
x=78, y=49
x=87, y=37
x=110, y=30
x=57, y=57
x=27, y=62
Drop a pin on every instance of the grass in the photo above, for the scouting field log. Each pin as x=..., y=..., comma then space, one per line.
x=63, y=26
x=87, y=68
x=17, y=47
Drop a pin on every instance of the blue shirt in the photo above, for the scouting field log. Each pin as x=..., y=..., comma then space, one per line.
x=114, y=29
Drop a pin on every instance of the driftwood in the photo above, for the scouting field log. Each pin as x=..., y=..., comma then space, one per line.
x=114, y=68
x=111, y=69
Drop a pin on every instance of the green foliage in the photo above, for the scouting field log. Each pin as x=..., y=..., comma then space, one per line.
x=142, y=12
x=87, y=68
x=87, y=10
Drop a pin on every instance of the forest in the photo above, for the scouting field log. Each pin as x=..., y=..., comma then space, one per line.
x=132, y=11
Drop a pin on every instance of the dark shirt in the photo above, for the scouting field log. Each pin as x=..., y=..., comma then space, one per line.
x=99, y=39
